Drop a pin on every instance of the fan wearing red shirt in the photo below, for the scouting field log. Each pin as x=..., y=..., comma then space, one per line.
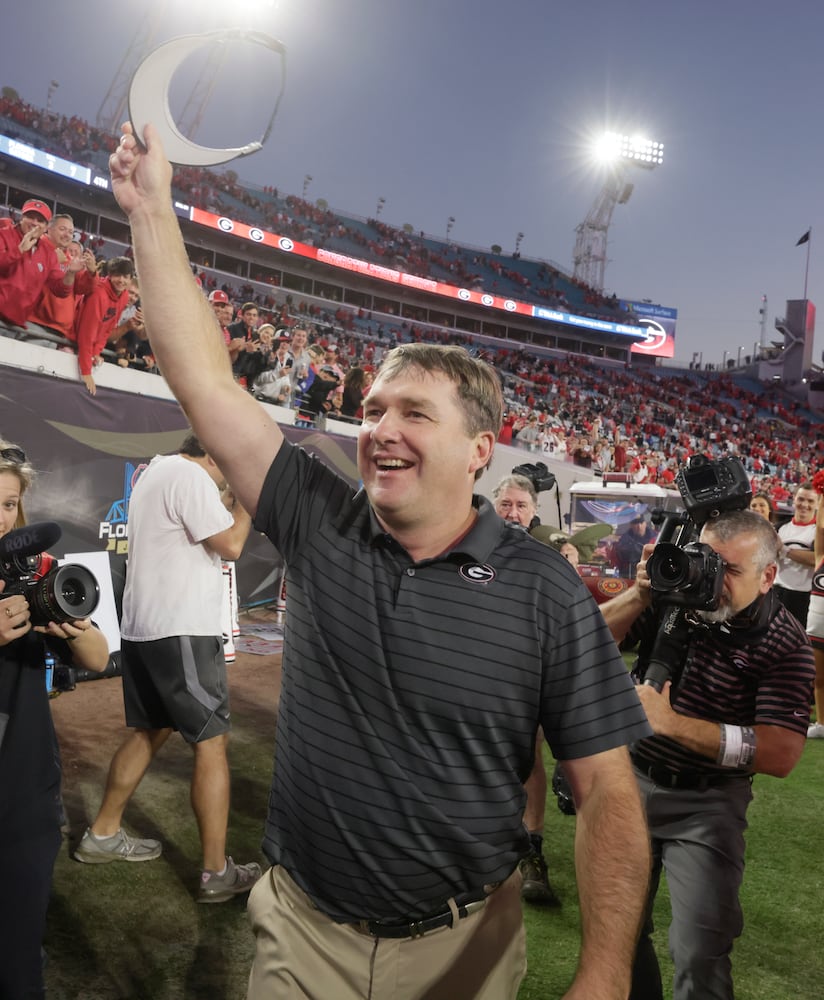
x=98, y=314
x=28, y=264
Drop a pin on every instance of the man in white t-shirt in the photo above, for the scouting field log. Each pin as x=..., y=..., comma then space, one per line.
x=174, y=673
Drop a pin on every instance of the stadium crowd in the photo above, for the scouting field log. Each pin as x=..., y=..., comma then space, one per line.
x=604, y=417
x=316, y=225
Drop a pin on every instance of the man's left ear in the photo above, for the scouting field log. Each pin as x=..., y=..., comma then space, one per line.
x=484, y=446
x=768, y=577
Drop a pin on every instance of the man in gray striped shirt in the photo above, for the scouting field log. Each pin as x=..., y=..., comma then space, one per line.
x=426, y=640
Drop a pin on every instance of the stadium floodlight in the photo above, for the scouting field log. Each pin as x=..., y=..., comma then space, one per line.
x=637, y=149
x=619, y=153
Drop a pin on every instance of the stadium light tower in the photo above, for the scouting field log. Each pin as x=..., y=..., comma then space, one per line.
x=620, y=153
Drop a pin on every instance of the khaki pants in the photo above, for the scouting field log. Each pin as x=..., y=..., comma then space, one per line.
x=304, y=955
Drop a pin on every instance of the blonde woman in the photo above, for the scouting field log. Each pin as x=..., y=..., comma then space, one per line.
x=29, y=759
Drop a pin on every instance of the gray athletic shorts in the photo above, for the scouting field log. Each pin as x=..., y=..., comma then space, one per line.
x=177, y=683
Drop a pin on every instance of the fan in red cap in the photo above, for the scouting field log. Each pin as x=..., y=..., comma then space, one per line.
x=223, y=309
x=36, y=207
x=29, y=264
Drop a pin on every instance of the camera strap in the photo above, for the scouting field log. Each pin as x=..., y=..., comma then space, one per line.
x=750, y=624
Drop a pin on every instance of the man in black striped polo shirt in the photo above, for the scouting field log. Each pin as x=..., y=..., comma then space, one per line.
x=426, y=640
x=737, y=705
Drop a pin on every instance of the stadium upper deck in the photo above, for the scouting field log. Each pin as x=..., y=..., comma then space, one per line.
x=408, y=274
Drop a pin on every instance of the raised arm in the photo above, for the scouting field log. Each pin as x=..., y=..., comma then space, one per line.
x=184, y=334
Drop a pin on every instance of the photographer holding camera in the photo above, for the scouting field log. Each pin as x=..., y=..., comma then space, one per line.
x=725, y=675
x=29, y=757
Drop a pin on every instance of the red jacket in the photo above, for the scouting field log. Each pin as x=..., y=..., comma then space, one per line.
x=58, y=313
x=24, y=276
x=96, y=320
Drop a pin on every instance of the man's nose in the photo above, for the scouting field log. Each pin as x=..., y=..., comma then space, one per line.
x=386, y=429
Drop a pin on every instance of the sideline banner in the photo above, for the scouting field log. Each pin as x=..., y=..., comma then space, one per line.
x=89, y=452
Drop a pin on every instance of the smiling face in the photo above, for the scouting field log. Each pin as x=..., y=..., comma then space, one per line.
x=805, y=505
x=10, y=493
x=761, y=506
x=223, y=311
x=61, y=231
x=30, y=221
x=120, y=282
x=415, y=455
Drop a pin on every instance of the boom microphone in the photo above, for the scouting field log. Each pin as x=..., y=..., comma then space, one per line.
x=30, y=540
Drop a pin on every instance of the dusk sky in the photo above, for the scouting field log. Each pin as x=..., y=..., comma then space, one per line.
x=485, y=111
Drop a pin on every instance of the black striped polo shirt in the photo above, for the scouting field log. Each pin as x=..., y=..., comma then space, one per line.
x=411, y=695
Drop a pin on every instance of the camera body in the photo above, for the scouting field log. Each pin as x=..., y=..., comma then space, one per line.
x=53, y=593
x=683, y=571
x=711, y=488
x=537, y=473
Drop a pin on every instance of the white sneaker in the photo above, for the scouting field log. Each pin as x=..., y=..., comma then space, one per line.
x=816, y=731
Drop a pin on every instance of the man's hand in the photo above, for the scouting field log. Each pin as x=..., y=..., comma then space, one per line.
x=139, y=176
x=89, y=261
x=75, y=265
x=88, y=381
x=32, y=236
x=657, y=705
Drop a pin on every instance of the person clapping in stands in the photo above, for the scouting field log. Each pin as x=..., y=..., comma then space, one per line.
x=28, y=264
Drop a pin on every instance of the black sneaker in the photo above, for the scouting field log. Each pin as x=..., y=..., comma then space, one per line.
x=536, y=887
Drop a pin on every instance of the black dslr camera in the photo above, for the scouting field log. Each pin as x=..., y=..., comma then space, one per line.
x=56, y=594
x=683, y=571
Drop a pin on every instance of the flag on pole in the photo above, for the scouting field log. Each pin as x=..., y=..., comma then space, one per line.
x=805, y=238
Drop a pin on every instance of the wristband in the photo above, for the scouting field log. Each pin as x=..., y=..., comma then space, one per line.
x=736, y=747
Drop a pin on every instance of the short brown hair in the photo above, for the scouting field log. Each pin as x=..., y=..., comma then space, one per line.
x=476, y=382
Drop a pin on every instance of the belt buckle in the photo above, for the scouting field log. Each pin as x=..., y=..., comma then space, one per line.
x=416, y=929
x=473, y=907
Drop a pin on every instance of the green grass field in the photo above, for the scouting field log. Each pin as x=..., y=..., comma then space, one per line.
x=134, y=931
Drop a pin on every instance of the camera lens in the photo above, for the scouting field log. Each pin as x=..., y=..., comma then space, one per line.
x=65, y=594
x=669, y=568
x=670, y=571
